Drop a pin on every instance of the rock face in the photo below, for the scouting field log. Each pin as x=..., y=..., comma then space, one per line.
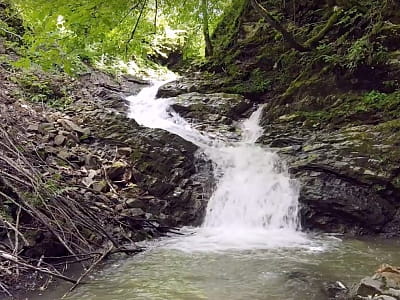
x=162, y=164
x=349, y=176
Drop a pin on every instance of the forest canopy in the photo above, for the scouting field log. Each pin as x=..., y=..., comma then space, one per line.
x=64, y=33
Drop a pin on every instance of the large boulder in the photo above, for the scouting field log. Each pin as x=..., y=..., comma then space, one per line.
x=383, y=285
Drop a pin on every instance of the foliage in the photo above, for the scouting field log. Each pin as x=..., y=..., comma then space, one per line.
x=37, y=89
x=62, y=34
x=352, y=108
x=257, y=82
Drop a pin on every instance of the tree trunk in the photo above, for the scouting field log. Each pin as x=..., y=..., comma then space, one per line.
x=206, y=32
x=290, y=39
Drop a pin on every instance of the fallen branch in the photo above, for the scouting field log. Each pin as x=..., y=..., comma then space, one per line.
x=105, y=253
x=13, y=259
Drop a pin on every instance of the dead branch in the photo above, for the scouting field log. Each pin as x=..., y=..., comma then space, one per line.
x=13, y=259
x=90, y=269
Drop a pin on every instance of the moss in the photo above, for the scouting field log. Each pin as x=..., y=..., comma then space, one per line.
x=258, y=82
x=392, y=126
x=227, y=31
x=371, y=107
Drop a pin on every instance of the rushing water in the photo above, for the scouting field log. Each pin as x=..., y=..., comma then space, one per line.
x=250, y=245
x=254, y=205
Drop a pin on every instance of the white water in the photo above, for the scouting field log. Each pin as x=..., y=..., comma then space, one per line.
x=255, y=203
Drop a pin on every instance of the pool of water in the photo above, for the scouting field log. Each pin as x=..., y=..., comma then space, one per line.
x=297, y=273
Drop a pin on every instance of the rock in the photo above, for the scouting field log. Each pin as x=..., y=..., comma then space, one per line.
x=347, y=181
x=88, y=181
x=119, y=207
x=69, y=125
x=133, y=212
x=59, y=140
x=384, y=297
x=33, y=127
x=383, y=285
x=64, y=154
x=126, y=151
x=368, y=287
x=135, y=203
x=390, y=275
x=46, y=128
x=91, y=162
x=117, y=170
x=393, y=292
x=100, y=186
x=336, y=290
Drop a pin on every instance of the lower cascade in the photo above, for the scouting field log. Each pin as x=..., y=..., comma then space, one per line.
x=255, y=202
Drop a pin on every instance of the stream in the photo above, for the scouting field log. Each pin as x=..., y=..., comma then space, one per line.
x=250, y=245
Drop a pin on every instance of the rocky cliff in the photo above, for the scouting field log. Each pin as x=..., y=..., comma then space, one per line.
x=332, y=110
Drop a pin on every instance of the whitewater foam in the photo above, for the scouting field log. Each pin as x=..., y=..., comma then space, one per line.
x=255, y=202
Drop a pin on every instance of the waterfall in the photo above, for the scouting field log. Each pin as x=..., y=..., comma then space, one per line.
x=255, y=202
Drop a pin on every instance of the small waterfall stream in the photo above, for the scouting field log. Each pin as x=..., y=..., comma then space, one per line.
x=250, y=245
x=255, y=202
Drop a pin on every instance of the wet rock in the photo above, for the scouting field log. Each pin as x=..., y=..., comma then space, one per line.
x=368, y=287
x=336, y=290
x=214, y=113
x=347, y=176
x=384, y=285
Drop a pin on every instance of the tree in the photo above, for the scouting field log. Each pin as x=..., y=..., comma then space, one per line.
x=290, y=39
x=206, y=32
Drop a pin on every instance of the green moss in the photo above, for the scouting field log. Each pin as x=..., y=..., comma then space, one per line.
x=390, y=126
x=258, y=82
x=355, y=109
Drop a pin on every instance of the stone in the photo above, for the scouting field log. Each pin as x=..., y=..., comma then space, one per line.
x=336, y=290
x=46, y=127
x=116, y=171
x=91, y=162
x=100, y=186
x=33, y=127
x=135, y=203
x=59, y=140
x=133, y=212
x=119, y=207
x=368, y=287
x=384, y=297
x=393, y=292
x=126, y=151
x=69, y=125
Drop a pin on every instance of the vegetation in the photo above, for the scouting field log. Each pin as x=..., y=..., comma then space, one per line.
x=64, y=35
x=322, y=65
